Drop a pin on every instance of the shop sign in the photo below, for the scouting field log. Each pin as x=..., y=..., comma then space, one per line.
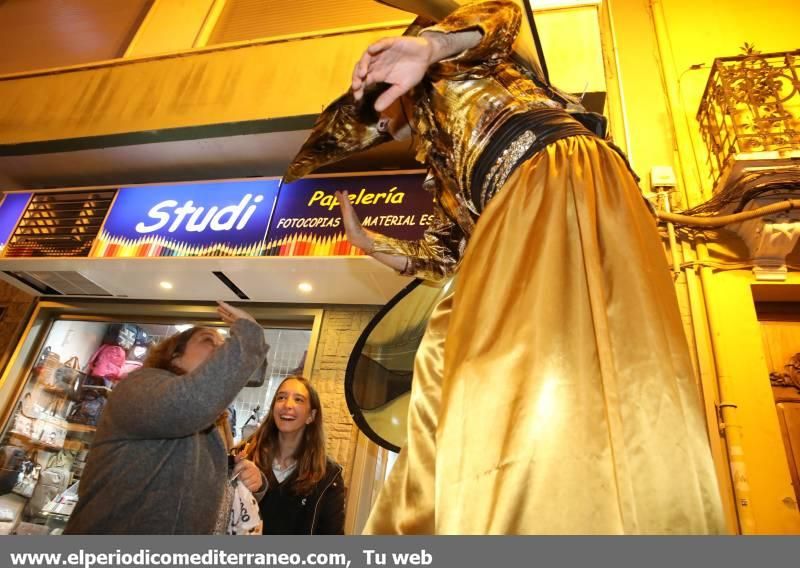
x=197, y=219
x=11, y=209
x=307, y=221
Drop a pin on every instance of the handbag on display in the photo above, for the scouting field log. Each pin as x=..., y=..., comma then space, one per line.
x=49, y=427
x=138, y=353
x=107, y=362
x=40, y=360
x=88, y=409
x=63, y=459
x=142, y=339
x=50, y=430
x=46, y=366
x=22, y=425
x=28, y=477
x=68, y=378
x=11, y=460
x=122, y=334
x=53, y=480
x=24, y=418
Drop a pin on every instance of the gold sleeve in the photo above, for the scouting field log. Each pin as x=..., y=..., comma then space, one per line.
x=499, y=22
x=433, y=257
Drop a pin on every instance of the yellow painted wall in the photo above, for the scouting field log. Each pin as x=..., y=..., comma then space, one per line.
x=281, y=77
x=738, y=338
x=694, y=32
x=646, y=110
x=571, y=43
x=216, y=87
x=658, y=41
x=770, y=26
x=170, y=25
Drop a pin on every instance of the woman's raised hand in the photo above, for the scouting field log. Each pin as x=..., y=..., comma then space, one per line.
x=230, y=314
x=355, y=232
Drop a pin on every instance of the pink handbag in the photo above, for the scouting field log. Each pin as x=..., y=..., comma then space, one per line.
x=107, y=362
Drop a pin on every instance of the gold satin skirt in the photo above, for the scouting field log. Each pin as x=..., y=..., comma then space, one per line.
x=553, y=391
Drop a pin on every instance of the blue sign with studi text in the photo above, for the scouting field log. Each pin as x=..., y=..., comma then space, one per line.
x=195, y=219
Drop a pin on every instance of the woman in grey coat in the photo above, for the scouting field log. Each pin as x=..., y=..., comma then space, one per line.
x=158, y=464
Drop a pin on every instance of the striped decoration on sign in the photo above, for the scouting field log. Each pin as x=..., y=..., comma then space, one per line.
x=303, y=244
x=108, y=246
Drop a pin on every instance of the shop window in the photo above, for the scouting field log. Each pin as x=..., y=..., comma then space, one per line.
x=48, y=435
x=287, y=356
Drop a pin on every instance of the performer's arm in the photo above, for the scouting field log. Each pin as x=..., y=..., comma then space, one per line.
x=433, y=257
x=470, y=41
x=496, y=23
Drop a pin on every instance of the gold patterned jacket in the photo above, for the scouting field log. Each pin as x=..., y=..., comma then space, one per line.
x=458, y=106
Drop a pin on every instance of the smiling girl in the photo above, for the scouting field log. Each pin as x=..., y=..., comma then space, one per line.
x=305, y=493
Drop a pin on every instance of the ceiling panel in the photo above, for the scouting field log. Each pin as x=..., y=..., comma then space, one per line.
x=355, y=280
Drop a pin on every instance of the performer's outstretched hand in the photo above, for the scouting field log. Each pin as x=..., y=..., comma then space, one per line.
x=403, y=61
x=356, y=234
x=399, y=61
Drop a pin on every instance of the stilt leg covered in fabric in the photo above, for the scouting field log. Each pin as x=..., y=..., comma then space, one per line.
x=553, y=392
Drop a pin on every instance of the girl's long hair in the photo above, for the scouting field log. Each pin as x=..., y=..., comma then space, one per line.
x=310, y=456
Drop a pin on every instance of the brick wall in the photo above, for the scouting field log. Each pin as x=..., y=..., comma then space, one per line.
x=341, y=327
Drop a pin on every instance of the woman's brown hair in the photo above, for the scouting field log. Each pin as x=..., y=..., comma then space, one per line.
x=311, y=458
x=163, y=355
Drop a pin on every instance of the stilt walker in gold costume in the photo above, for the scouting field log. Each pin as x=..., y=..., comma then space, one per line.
x=553, y=390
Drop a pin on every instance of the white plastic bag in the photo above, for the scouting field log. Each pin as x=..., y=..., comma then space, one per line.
x=245, y=518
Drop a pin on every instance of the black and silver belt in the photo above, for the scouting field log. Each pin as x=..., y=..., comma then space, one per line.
x=522, y=136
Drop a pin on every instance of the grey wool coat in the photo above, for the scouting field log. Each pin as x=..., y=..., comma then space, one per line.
x=158, y=464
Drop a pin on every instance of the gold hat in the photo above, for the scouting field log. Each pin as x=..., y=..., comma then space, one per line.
x=345, y=127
